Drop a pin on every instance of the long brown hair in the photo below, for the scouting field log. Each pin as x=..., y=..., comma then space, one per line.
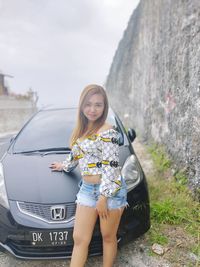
x=81, y=127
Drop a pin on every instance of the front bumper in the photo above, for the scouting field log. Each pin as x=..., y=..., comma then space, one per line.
x=15, y=229
x=16, y=239
x=24, y=250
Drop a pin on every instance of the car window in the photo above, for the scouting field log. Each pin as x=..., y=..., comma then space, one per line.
x=49, y=129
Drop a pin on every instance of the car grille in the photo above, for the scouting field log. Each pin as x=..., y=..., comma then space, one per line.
x=43, y=211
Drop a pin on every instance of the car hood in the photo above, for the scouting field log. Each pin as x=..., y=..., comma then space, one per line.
x=29, y=178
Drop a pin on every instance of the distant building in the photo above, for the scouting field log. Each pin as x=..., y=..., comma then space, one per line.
x=15, y=109
x=3, y=88
x=30, y=95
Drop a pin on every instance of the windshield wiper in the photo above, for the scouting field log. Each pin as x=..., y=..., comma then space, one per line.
x=45, y=151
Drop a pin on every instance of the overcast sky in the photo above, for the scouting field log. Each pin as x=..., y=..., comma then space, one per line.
x=57, y=47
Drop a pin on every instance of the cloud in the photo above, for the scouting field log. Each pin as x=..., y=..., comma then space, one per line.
x=60, y=46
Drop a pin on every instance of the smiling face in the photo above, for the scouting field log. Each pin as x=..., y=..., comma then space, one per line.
x=94, y=107
x=92, y=112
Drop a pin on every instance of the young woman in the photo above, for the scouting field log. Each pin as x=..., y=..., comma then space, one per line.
x=94, y=145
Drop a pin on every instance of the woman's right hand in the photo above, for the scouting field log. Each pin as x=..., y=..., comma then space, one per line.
x=56, y=166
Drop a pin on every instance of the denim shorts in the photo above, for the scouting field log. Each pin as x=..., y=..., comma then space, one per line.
x=89, y=193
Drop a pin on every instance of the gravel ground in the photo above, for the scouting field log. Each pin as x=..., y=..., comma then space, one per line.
x=134, y=254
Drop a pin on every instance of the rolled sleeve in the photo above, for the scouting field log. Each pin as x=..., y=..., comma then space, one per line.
x=111, y=175
x=71, y=160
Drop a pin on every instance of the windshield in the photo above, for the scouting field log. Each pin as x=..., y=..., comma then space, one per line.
x=49, y=129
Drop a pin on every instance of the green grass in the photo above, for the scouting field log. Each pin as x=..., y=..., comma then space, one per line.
x=157, y=236
x=171, y=201
x=161, y=161
x=166, y=211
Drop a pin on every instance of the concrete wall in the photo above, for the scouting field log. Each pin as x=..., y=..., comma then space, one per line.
x=14, y=113
x=154, y=80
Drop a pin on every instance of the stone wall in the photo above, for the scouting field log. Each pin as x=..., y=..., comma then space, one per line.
x=154, y=79
x=14, y=113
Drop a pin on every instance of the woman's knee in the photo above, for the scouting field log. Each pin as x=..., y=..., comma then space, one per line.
x=109, y=238
x=80, y=239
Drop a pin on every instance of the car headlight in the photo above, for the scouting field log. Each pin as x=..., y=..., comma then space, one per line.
x=3, y=194
x=131, y=172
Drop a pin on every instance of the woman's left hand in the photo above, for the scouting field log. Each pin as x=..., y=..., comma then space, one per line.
x=102, y=207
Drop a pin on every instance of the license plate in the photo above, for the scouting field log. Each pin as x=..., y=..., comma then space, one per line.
x=49, y=238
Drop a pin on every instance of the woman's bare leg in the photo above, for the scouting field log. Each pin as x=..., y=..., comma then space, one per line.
x=109, y=228
x=85, y=220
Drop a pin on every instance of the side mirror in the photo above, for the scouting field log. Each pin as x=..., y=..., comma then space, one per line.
x=131, y=134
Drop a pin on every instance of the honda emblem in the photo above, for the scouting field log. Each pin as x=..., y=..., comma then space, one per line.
x=58, y=213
